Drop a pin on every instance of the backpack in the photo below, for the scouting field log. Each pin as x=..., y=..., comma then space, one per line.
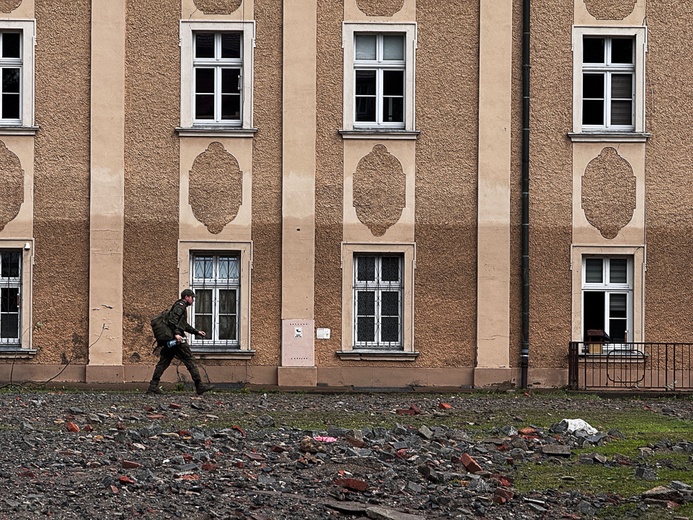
x=160, y=328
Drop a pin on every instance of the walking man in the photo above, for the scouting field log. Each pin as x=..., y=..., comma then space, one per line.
x=179, y=325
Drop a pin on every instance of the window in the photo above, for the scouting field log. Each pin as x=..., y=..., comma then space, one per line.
x=378, y=301
x=379, y=76
x=10, y=302
x=216, y=310
x=608, y=66
x=16, y=71
x=609, y=79
x=216, y=74
x=607, y=304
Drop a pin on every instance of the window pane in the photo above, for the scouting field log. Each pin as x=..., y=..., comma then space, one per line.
x=593, y=50
x=365, y=304
x=390, y=269
x=202, y=267
x=393, y=47
x=593, y=305
x=203, y=301
x=365, y=46
x=227, y=301
x=231, y=107
x=9, y=326
x=230, y=80
x=393, y=83
x=622, y=86
x=365, y=109
x=204, y=45
x=9, y=263
x=617, y=305
x=618, y=270
x=390, y=304
x=622, y=50
x=365, y=82
x=365, y=268
x=231, y=45
x=8, y=300
x=393, y=110
x=204, y=81
x=204, y=322
x=365, y=329
x=204, y=106
x=617, y=330
x=390, y=330
x=593, y=112
x=621, y=113
x=593, y=270
x=10, y=45
x=228, y=268
x=227, y=327
x=593, y=86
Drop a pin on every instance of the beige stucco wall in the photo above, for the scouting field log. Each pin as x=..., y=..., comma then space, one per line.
x=61, y=181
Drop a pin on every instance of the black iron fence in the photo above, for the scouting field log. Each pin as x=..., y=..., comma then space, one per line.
x=665, y=367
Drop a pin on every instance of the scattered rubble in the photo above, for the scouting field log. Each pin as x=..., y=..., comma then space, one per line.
x=108, y=455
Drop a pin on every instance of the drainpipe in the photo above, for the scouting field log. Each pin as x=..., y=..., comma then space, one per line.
x=524, y=352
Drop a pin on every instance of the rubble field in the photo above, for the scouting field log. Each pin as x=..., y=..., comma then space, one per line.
x=353, y=455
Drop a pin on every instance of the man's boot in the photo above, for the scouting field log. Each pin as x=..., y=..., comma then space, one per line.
x=201, y=389
x=154, y=389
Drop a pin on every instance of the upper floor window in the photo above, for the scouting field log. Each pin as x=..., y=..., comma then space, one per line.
x=16, y=73
x=609, y=79
x=379, y=76
x=217, y=74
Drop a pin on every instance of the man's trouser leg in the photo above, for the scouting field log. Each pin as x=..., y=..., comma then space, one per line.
x=164, y=361
x=185, y=355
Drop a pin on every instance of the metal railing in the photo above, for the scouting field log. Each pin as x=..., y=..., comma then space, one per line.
x=664, y=367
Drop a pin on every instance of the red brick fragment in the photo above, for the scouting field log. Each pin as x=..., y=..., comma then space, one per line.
x=209, y=466
x=239, y=430
x=352, y=484
x=502, y=495
x=174, y=406
x=468, y=462
x=124, y=479
x=445, y=406
x=130, y=464
x=155, y=416
x=71, y=427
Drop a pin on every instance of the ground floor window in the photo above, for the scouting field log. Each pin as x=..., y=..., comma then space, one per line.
x=216, y=280
x=607, y=298
x=378, y=288
x=10, y=301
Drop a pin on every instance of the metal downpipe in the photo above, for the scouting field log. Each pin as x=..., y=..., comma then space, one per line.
x=524, y=352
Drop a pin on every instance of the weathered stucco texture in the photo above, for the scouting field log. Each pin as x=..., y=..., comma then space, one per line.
x=329, y=181
x=610, y=9
x=7, y=6
x=61, y=181
x=267, y=186
x=11, y=185
x=608, y=192
x=216, y=187
x=380, y=7
x=152, y=112
x=218, y=6
x=669, y=165
x=379, y=190
x=446, y=183
x=550, y=184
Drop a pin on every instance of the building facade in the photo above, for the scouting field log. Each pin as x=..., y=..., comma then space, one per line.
x=361, y=193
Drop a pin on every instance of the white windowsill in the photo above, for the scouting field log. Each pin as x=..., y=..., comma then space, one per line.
x=17, y=353
x=380, y=133
x=223, y=354
x=216, y=131
x=376, y=355
x=609, y=137
x=18, y=130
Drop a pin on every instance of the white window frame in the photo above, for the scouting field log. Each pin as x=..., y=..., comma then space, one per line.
x=639, y=35
x=27, y=29
x=14, y=282
x=349, y=31
x=351, y=350
x=187, y=30
x=609, y=289
x=207, y=348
